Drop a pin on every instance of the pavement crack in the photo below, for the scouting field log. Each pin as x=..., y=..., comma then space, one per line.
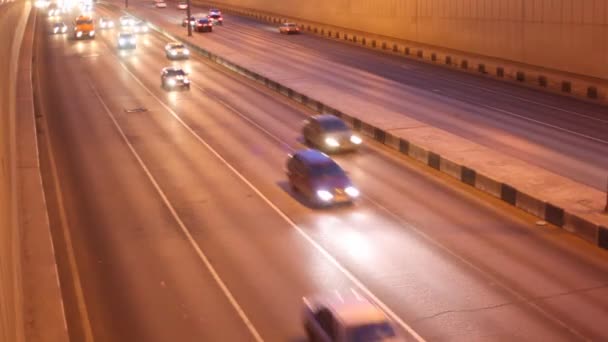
x=528, y=301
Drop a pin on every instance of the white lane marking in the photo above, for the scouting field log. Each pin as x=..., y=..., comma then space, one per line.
x=310, y=240
x=178, y=219
x=65, y=230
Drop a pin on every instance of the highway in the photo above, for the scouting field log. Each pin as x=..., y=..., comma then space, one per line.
x=566, y=136
x=175, y=222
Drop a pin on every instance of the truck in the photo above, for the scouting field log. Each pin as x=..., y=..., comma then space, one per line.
x=84, y=27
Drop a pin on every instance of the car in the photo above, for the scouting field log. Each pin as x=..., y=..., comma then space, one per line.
x=176, y=50
x=192, y=21
x=127, y=40
x=347, y=317
x=329, y=133
x=140, y=26
x=214, y=11
x=216, y=18
x=106, y=23
x=173, y=78
x=59, y=28
x=319, y=178
x=203, y=25
x=126, y=21
x=160, y=4
x=182, y=5
x=53, y=10
x=289, y=28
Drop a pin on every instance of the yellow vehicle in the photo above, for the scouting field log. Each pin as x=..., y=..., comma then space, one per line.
x=84, y=27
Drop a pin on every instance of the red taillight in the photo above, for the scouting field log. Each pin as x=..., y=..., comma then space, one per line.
x=221, y=19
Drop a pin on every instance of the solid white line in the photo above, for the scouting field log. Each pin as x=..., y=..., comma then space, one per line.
x=179, y=221
x=316, y=245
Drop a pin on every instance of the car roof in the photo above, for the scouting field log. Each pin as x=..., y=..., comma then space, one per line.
x=312, y=156
x=322, y=118
x=172, y=68
x=351, y=308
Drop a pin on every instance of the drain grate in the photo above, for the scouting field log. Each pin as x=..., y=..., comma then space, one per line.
x=136, y=110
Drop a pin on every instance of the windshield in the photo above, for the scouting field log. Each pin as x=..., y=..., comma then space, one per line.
x=371, y=332
x=177, y=46
x=327, y=169
x=334, y=125
x=173, y=72
x=215, y=16
x=290, y=25
x=84, y=22
x=203, y=21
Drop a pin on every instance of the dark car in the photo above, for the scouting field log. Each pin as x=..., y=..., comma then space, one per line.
x=289, y=28
x=329, y=133
x=59, y=28
x=216, y=18
x=319, y=178
x=192, y=21
x=203, y=25
x=173, y=78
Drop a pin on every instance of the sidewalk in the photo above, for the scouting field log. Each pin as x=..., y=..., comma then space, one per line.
x=575, y=207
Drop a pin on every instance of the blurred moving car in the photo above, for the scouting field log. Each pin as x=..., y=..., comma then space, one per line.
x=84, y=27
x=329, y=133
x=126, y=20
x=59, y=28
x=175, y=50
x=216, y=18
x=140, y=26
x=203, y=25
x=319, y=178
x=347, y=317
x=289, y=28
x=160, y=4
x=182, y=5
x=173, y=78
x=192, y=21
x=214, y=11
x=127, y=40
x=53, y=10
x=106, y=23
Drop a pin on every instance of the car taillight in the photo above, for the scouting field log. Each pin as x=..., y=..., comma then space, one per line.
x=221, y=19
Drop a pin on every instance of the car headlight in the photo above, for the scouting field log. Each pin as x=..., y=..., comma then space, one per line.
x=171, y=82
x=121, y=41
x=173, y=53
x=324, y=195
x=64, y=29
x=91, y=34
x=186, y=52
x=55, y=30
x=145, y=28
x=79, y=34
x=111, y=24
x=332, y=142
x=352, y=191
x=103, y=25
x=186, y=81
x=355, y=140
x=132, y=41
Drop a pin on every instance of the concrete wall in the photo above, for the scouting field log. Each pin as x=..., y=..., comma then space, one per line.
x=11, y=300
x=565, y=35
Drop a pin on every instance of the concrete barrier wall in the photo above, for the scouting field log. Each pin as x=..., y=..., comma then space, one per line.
x=565, y=35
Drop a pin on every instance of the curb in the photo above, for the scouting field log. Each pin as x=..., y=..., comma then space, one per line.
x=580, y=87
x=553, y=214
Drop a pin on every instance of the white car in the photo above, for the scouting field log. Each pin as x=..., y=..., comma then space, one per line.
x=175, y=50
x=347, y=317
x=126, y=21
x=182, y=5
x=127, y=40
x=161, y=4
x=105, y=23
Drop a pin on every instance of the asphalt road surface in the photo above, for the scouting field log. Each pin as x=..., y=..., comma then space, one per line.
x=564, y=135
x=175, y=222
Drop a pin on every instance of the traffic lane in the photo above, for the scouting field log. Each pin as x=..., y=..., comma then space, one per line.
x=547, y=265
x=483, y=123
x=260, y=262
x=248, y=153
x=141, y=279
x=488, y=229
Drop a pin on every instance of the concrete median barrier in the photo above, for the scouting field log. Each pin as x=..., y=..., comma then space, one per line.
x=533, y=204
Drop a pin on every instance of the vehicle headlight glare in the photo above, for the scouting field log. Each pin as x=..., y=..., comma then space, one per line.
x=55, y=29
x=173, y=53
x=186, y=52
x=171, y=82
x=121, y=41
x=324, y=195
x=92, y=33
x=132, y=41
x=332, y=142
x=355, y=140
x=79, y=34
x=64, y=29
x=352, y=191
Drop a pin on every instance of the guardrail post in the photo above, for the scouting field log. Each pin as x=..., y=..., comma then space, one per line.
x=606, y=207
